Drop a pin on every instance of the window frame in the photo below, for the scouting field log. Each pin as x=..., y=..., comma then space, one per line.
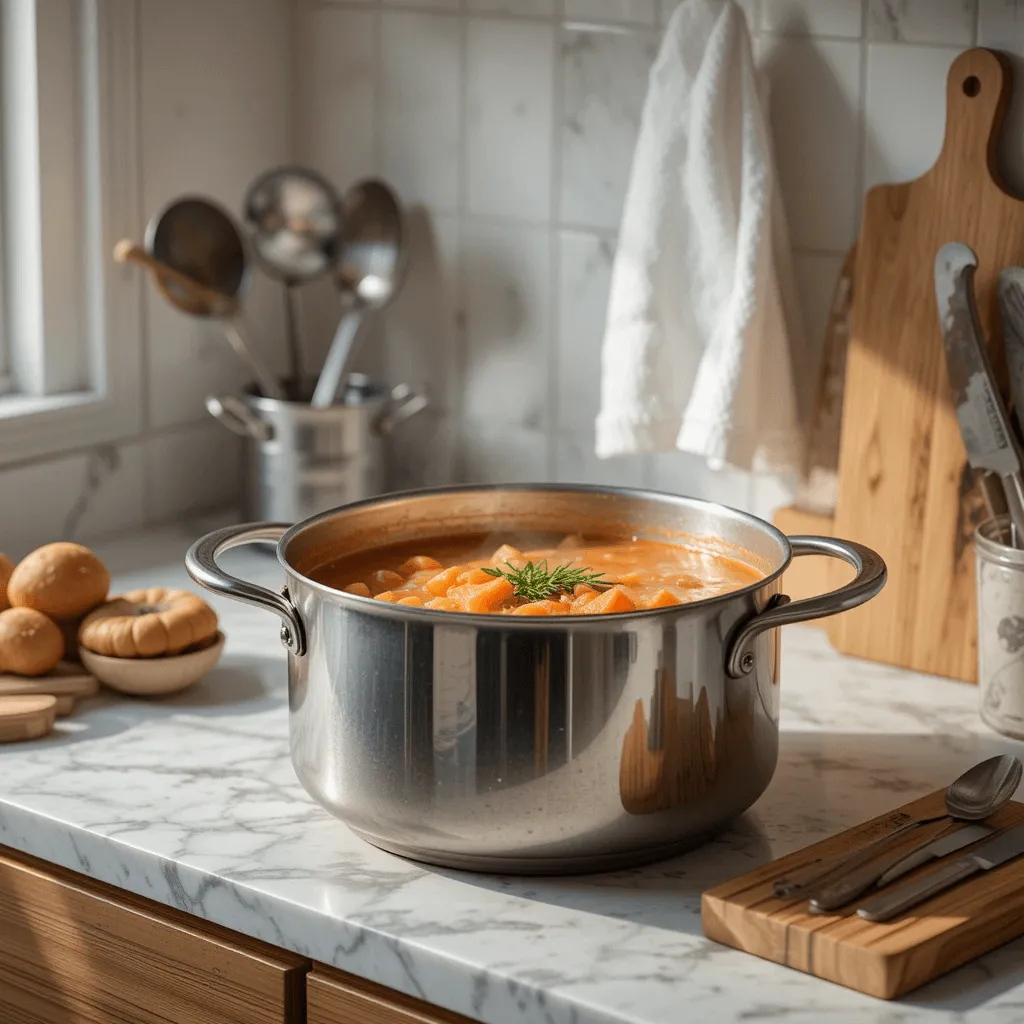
x=79, y=385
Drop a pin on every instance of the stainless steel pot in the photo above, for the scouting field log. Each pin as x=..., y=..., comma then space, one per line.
x=301, y=461
x=509, y=744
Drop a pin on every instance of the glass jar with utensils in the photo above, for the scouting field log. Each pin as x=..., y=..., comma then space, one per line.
x=1000, y=575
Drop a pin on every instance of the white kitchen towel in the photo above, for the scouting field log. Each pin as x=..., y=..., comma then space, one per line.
x=703, y=332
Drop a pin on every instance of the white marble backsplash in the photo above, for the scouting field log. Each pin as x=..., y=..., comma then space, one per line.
x=510, y=124
x=508, y=128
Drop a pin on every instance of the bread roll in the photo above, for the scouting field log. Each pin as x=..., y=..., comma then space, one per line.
x=148, y=624
x=61, y=580
x=30, y=643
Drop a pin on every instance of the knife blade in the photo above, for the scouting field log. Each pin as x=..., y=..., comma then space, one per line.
x=1011, y=306
x=935, y=850
x=984, y=423
x=855, y=883
x=1005, y=847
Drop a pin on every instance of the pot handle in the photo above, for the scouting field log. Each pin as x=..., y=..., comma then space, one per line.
x=238, y=417
x=866, y=584
x=201, y=565
x=404, y=403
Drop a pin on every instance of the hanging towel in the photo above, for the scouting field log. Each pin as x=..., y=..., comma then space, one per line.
x=703, y=332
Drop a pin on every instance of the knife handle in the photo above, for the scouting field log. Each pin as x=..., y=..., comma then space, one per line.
x=906, y=896
x=855, y=883
x=858, y=881
x=821, y=872
x=1013, y=485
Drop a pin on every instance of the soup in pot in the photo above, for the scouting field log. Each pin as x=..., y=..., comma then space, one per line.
x=537, y=575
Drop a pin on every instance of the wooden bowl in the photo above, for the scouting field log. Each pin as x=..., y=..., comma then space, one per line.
x=153, y=677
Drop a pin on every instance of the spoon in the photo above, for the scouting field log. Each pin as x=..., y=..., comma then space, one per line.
x=294, y=218
x=173, y=284
x=975, y=790
x=368, y=274
x=198, y=240
x=977, y=794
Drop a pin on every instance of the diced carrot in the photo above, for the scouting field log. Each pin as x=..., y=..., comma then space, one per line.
x=442, y=604
x=507, y=553
x=384, y=579
x=541, y=608
x=689, y=582
x=474, y=576
x=412, y=601
x=387, y=596
x=614, y=600
x=417, y=562
x=662, y=599
x=630, y=579
x=440, y=584
x=582, y=589
x=482, y=597
x=579, y=603
x=361, y=589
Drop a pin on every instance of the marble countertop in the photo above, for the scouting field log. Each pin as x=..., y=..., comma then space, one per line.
x=193, y=802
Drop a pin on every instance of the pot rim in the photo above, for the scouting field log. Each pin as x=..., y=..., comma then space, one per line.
x=370, y=605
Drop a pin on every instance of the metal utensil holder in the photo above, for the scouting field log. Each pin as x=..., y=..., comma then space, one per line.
x=301, y=461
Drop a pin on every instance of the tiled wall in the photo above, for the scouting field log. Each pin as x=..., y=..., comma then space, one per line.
x=510, y=125
x=215, y=110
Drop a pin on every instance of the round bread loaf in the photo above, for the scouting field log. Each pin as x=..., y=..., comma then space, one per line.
x=6, y=568
x=148, y=624
x=62, y=580
x=30, y=643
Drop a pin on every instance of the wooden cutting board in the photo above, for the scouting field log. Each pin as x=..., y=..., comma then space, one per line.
x=904, y=485
x=884, y=960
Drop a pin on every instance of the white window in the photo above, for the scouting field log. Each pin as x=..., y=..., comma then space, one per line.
x=70, y=324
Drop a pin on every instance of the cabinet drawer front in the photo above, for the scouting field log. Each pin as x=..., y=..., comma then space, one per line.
x=333, y=997
x=75, y=951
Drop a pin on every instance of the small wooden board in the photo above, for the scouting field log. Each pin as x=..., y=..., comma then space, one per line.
x=26, y=717
x=64, y=680
x=884, y=960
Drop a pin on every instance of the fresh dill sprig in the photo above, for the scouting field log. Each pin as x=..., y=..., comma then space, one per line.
x=536, y=582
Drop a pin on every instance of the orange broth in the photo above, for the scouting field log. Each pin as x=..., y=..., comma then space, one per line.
x=447, y=574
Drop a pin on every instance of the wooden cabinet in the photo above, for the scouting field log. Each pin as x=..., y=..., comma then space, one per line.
x=75, y=951
x=333, y=997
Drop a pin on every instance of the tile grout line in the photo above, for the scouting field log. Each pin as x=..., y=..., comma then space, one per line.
x=551, y=424
x=462, y=199
x=862, y=119
x=145, y=355
x=377, y=42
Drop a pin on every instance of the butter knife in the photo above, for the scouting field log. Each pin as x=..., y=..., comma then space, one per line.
x=1005, y=847
x=877, y=872
x=935, y=850
x=984, y=423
